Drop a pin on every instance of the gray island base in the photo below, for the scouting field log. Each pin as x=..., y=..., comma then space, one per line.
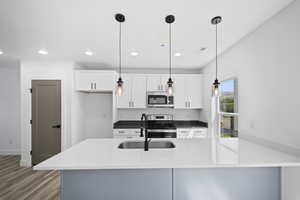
x=172, y=184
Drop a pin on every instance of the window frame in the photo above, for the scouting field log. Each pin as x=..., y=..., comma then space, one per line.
x=236, y=107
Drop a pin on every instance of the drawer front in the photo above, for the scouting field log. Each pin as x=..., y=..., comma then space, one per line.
x=127, y=133
x=184, y=133
x=191, y=133
x=199, y=133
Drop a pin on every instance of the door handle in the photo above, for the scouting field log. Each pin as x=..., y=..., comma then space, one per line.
x=56, y=126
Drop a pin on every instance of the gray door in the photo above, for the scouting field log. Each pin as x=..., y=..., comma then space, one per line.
x=46, y=119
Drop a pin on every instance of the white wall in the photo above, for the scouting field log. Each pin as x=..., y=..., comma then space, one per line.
x=267, y=66
x=98, y=115
x=9, y=107
x=31, y=70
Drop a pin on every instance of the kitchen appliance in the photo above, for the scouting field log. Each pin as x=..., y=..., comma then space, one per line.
x=161, y=126
x=159, y=99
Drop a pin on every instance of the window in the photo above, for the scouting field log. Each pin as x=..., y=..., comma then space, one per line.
x=228, y=109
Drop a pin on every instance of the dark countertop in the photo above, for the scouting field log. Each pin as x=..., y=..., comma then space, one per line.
x=127, y=124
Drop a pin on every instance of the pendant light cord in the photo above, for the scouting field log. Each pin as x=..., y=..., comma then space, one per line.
x=120, y=43
x=216, y=51
x=170, y=51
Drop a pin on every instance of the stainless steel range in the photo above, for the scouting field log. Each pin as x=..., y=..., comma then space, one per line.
x=161, y=126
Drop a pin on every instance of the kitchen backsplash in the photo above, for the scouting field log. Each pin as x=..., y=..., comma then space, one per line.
x=179, y=114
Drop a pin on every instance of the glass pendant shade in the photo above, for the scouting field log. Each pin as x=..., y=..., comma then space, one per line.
x=170, y=89
x=216, y=91
x=119, y=89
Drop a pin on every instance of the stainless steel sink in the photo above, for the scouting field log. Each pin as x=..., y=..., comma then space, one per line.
x=152, y=145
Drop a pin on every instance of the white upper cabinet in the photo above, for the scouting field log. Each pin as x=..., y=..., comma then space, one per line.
x=124, y=101
x=94, y=80
x=188, y=91
x=134, y=91
x=138, y=92
x=195, y=91
x=156, y=82
x=180, y=93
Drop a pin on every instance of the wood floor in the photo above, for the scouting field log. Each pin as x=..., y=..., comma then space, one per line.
x=20, y=183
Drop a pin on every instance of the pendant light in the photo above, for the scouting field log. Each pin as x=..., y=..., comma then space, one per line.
x=170, y=90
x=120, y=18
x=215, y=21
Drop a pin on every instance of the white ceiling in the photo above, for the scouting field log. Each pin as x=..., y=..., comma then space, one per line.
x=68, y=27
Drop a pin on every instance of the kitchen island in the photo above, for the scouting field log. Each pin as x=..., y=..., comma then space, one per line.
x=202, y=168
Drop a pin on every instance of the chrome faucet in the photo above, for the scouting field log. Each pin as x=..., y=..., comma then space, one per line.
x=144, y=126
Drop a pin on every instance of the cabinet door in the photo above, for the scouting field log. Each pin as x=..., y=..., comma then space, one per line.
x=194, y=85
x=138, y=89
x=199, y=133
x=94, y=80
x=154, y=83
x=104, y=81
x=124, y=101
x=184, y=133
x=83, y=81
x=180, y=97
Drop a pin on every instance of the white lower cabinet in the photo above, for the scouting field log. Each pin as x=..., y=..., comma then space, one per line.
x=191, y=133
x=127, y=133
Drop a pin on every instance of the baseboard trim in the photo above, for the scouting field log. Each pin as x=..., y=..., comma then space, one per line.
x=25, y=163
x=5, y=152
x=272, y=145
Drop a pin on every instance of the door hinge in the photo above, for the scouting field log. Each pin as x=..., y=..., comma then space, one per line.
x=31, y=121
x=30, y=90
x=31, y=152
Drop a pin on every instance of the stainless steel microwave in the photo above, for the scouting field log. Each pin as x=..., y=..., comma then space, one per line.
x=159, y=99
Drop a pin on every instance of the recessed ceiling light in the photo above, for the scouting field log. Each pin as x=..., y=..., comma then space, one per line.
x=1, y=52
x=89, y=53
x=177, y=54
x=134, y=53
x=43, y=51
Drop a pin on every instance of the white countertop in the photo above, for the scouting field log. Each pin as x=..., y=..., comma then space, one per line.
x=193, y=153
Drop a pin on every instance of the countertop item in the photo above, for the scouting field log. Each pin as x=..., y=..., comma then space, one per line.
x=130, y=124
x=197, y=153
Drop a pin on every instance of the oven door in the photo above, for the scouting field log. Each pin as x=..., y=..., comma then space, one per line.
x=162, y=133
